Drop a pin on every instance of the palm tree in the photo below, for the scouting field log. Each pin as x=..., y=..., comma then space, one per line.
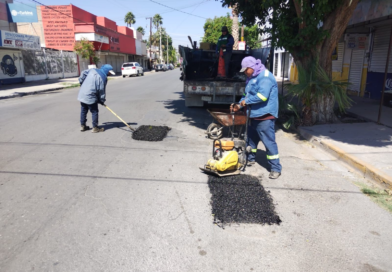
x=234, y=28
x=157, y=20
x=141, y=30
x=129, y=19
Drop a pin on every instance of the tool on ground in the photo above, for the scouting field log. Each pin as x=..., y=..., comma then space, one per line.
x=131, y=128
x=229, y=157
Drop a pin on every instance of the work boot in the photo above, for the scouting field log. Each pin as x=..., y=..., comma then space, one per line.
x=250, y=163
x=97, y=129
x=84, y=128
x=274, y=175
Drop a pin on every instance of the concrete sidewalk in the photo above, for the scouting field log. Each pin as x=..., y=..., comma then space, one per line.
x=35, y=87
x=364, y=146
x=368, y=109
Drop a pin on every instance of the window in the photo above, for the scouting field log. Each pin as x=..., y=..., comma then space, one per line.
x=127, y=65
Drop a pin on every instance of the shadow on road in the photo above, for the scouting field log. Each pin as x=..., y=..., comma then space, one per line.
x=198, y=117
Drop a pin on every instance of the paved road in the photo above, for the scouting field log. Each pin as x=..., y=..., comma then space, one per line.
x=72, y=201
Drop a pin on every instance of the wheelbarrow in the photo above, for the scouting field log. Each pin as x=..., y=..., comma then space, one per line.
x=223, y=119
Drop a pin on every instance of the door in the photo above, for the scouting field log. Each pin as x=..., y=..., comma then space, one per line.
x=356, y=67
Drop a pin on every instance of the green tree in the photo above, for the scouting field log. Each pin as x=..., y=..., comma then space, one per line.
x=129, y=19
x=309, y=30
x=166, y=39
x=86, y=50
x=213, y=28
x=141, y=30
x=157, y=21
x=251, y=36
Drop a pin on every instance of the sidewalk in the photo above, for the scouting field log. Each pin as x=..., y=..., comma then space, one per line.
x=368, y=109
x=35, y=87
x=364, y=146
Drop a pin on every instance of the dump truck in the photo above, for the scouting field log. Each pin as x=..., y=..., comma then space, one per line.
x=199, y=74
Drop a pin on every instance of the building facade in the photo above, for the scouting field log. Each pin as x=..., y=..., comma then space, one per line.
x=360, y=56
x=61, y=26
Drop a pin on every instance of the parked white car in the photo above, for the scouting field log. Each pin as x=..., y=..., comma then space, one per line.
x=131, y=68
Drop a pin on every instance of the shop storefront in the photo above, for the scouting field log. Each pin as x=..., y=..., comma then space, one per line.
x=11, y=59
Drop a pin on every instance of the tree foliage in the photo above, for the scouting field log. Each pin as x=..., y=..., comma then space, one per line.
x=86, y=50
x=141, y=30
x=309, y=30
x=129, y=18
x=251, y=36
x=165, y=39
x=213, y=28
x=157, y=21
x=302, y=27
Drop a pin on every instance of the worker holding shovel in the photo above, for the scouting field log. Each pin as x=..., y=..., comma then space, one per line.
x=261, y=94
x=93, y=92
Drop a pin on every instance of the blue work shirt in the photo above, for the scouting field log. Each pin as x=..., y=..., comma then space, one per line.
x=261, y=93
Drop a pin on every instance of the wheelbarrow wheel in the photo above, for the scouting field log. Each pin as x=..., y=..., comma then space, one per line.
x=214, y=131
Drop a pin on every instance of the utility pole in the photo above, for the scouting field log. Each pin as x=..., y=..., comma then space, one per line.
x=160, y=44
x=150, y=41
x=167, y=49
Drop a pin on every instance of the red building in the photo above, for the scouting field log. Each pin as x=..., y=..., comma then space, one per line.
x=65, y=24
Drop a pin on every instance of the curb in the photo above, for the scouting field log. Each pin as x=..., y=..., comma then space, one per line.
x=364, y=168
x=16, y=94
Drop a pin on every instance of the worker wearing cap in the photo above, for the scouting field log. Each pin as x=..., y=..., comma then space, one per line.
x=93, y=92
x=224, y=48
x=261, y=95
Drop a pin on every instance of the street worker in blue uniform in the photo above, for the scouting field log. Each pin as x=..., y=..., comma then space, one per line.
x=93, y=92
x=261, y=95
x=224, y=49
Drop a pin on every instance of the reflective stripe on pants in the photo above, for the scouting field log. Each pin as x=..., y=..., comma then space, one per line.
x=264, y=131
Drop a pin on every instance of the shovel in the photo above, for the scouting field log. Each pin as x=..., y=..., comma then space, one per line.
x=132, y=129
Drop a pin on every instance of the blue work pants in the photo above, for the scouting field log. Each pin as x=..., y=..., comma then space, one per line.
x=94, y=112
x=264, y=130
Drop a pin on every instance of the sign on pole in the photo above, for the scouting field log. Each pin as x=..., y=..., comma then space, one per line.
x=242, y=45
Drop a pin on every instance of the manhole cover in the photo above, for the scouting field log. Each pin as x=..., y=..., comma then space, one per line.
x=150, y=133
x=241, y=199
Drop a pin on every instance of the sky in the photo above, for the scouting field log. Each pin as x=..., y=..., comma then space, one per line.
x=178, y=24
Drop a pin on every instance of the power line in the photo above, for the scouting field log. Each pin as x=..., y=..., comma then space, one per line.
x=178, y=10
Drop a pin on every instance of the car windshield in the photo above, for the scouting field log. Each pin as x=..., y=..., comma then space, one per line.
x=127, y=64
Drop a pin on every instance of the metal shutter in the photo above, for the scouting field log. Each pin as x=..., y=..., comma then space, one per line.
x=380, y=50
x=337, y=64
x=276, y=64
x=356, y=67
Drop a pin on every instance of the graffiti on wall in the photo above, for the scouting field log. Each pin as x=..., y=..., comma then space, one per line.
x=8, y=66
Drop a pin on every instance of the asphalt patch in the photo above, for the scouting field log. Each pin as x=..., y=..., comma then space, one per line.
x=241, y=199
x=150, y=133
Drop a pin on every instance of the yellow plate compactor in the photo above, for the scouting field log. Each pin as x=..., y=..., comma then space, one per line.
x=228, y=158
